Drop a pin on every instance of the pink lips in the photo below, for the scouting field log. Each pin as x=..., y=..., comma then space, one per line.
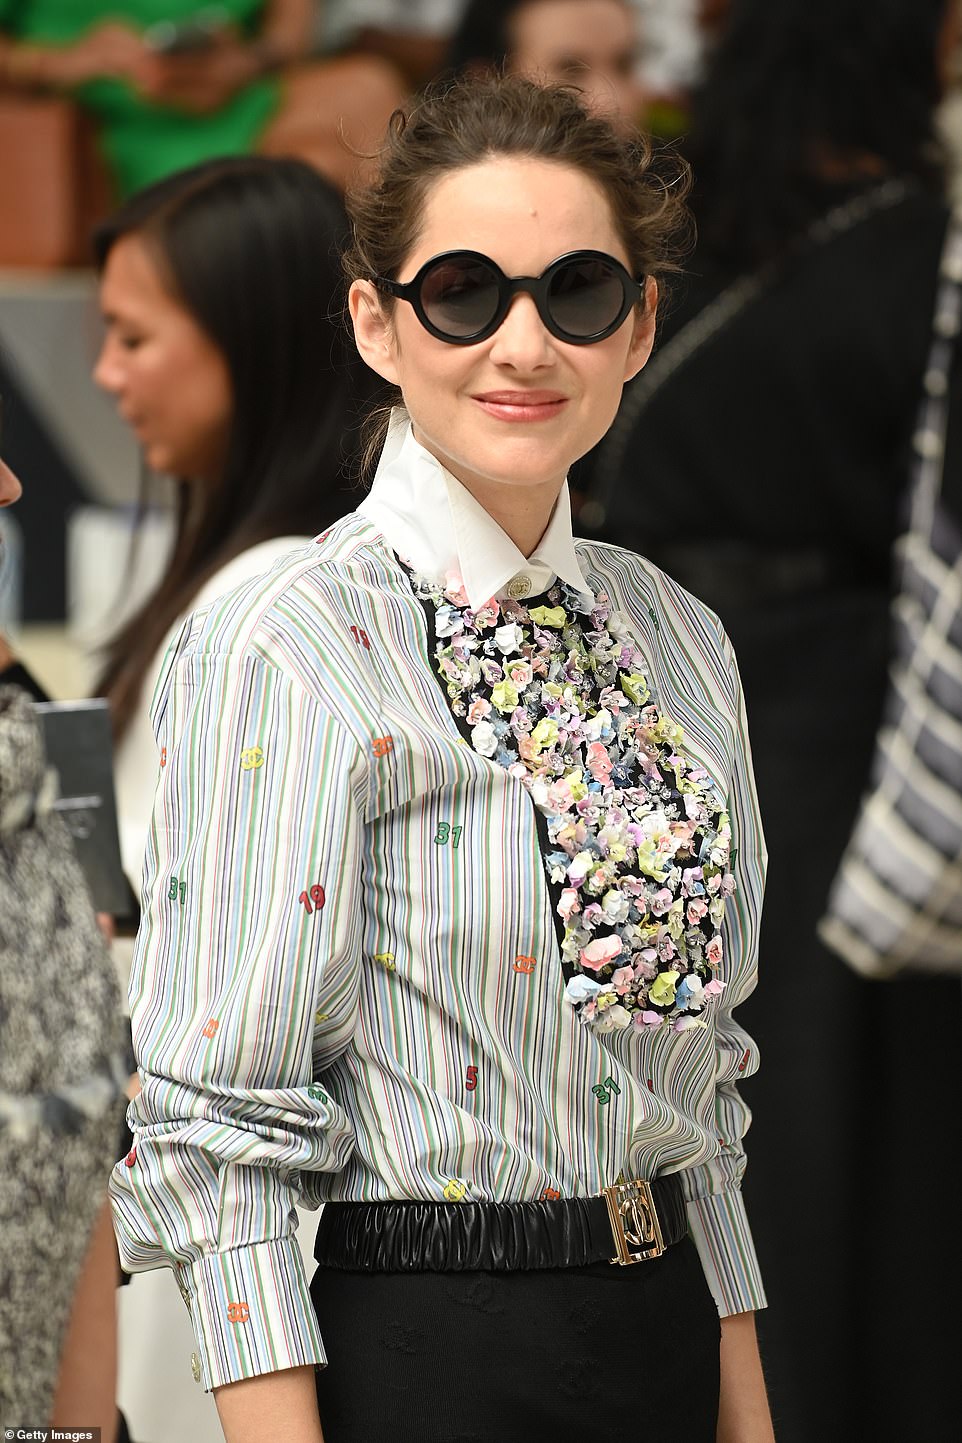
x=522, y=405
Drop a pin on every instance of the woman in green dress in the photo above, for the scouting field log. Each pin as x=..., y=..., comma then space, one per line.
x=250, y=88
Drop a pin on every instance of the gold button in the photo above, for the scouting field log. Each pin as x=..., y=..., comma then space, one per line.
x=195, y=1367
x=519, y=587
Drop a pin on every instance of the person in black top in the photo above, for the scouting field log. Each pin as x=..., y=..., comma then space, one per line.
x=762, y=460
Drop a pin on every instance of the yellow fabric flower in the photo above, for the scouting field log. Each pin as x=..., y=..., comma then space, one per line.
x=662, y=990
x=635, y=687
x=548, y=615
x=505, y=696
x=545, y=733
x=576, y=785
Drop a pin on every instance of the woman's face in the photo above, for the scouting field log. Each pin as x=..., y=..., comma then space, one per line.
x=170, y=381
x=592, y=44
x=518, y=408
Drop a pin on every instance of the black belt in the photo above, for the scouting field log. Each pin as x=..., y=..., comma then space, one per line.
x=627, y=1223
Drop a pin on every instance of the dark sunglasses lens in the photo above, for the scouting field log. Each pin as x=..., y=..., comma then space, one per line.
x=460, y=297
x=585, y=297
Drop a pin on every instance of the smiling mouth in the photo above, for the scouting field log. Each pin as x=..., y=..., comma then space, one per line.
x=522, y=405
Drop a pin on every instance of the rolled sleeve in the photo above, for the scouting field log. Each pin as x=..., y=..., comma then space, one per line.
x=719, y=1227
x=251, y=1311
x=716, y=1210
x=244, y=987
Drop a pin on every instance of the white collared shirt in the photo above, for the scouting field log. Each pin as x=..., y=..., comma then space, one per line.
x=431, y=520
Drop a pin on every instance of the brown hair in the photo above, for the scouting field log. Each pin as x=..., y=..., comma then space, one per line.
x=463, y=122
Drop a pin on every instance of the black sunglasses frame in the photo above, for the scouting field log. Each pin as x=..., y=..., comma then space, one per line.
x=538, y=287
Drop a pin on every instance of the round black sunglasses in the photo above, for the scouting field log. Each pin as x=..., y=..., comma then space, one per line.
x=462, y=296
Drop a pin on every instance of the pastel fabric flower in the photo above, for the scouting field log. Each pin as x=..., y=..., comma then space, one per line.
x=549, y=615
x=484, y=740
x=505, y=696
x=598, y=954
x=638, y=837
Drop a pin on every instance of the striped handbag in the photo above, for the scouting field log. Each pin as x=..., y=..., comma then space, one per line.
x=896, y=900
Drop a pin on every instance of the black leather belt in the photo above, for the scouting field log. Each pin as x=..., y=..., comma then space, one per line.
x=627, y=1223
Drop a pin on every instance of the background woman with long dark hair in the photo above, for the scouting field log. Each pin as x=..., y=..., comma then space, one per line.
x=799, y=341
x=225, y=351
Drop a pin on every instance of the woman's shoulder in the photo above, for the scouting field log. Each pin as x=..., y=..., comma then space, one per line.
x=256, y=561
x=642, y=585
x=675, y=625
x=300, y=615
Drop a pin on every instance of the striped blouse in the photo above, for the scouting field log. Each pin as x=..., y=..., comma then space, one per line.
x=347, y=982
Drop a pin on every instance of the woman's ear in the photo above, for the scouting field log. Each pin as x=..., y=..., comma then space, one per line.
x=643, y=333
x=373, y=332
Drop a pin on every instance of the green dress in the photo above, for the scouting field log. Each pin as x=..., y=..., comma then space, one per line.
x=144, y=141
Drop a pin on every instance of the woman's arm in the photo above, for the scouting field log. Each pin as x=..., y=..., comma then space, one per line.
x=273, y=1406
x=244, y=984
x=743, y=1413
x=87, y=1383
x=113, y=49
x=206, y=80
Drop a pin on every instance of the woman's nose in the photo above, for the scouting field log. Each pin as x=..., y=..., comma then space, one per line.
x=522, y=340
x=108, y=373
x=10, y=488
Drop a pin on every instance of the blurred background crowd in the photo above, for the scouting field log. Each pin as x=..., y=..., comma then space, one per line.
x=181, y=403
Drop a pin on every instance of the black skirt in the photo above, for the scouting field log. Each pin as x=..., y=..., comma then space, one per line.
x=567, y=1355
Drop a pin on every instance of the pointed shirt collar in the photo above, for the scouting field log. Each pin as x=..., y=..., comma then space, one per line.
x=436, y=525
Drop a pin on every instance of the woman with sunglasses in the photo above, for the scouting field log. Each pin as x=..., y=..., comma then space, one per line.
x=455, y=873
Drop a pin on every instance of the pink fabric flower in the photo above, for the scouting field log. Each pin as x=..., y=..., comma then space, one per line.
x=454, y=589
x=599, y=762
x=661, y=901
x=599, y=953
x=567, y=903
x=622, y=980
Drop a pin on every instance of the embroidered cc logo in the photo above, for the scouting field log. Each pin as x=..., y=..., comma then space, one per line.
x=163, y=756
x=524, y=964
x=385, y=960
x=210, y=1027
x=238, y=1312
x=251, y=759
x=382, y=745
x=455, y=1191
x=317, y=1093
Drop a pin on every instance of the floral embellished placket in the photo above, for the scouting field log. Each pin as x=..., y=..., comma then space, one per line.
x=636, y=841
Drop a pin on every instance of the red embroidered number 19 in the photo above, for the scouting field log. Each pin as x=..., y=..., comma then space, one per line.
x=316, y=895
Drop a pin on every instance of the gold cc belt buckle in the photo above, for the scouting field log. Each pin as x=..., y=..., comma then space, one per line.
x=634, y=1222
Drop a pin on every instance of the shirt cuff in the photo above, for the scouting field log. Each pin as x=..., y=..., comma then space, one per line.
x=719, y=1226
x=252, y=1312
